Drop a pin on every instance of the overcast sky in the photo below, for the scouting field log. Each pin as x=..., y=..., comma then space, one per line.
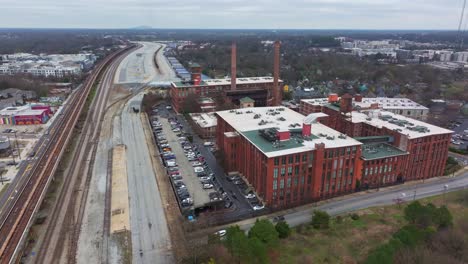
x=271, y=14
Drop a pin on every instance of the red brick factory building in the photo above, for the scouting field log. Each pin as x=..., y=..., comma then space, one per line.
x=290, y=158
x=265, y=91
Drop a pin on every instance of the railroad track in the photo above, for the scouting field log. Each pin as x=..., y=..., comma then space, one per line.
x=64, y=223
x=155, y=60
x=14, y=227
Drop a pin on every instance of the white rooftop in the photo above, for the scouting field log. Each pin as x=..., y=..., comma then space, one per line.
x=227, y=81
x=384, y=103
x=204, y=120
x=390, y=103
x=31, y=112
x=13, y=110
x=376, y=118
x=245, y=80
x=242, y=120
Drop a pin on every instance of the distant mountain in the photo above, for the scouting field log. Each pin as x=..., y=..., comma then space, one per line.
x=142, y=27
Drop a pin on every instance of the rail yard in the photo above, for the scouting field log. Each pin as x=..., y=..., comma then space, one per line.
x=27, y=191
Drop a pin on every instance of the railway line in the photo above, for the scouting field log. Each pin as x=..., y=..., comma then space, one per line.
x=65, y=222
x=155, y=59
x=18, y=215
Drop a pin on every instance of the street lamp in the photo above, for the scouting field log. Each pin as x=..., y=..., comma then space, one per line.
x=445, y=190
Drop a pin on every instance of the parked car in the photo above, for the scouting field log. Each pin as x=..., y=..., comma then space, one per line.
x=258, y=207
x=238, y=182
x=198, y=169
x=196, y=163
x=278, y=218
x=207, y=186
x=221, y=233
x=173, y=169
x=250, y=195
x=205, y=178
x=233, y=178
x=176, y=177
x=184, y=196
x=208, y=144
x=171, y=163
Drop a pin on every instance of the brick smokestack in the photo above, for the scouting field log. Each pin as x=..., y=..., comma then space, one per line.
x=233, y=66
x=276, y=69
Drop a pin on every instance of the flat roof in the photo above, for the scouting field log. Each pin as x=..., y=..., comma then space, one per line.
x=227, y=81
x=204, y=120
x=31, y=112
x=383, y=102
x=390, y=103
x=249, y=121
x=13, y=110
x=374, y=151
x=404, y=125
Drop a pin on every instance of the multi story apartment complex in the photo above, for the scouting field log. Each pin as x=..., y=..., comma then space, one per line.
x=291, y=159
x=401, y=106
x=56, y=65
x=426, y=144
x=287, y=158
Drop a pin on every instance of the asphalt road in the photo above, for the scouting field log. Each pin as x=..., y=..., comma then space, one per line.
x=148, y=222
x=383, y=197
x=138, y=67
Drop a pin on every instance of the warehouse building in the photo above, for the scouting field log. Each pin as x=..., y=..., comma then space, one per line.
x=289, y=159
x=25, y=115
x=401, y=106
x=265, y=91
x=426, y=144
x=204, y=124
x=292, y=159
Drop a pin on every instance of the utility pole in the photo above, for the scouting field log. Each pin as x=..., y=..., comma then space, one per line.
x=12, y=153
x=17, y=147
x=445, y=190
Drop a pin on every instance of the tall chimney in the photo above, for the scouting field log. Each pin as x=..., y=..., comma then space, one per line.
x=233, y=66
x=276, y=62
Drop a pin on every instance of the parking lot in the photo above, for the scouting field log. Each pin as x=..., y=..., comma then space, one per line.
x=460, y=133
x=191, y=177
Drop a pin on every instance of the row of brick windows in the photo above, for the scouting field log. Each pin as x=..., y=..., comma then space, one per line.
x=293, y=159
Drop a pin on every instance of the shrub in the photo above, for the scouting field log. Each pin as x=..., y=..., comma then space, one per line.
x=265, y=231
x=320, y=220
x=339, y=219
x=355, y=216
x=283, y=229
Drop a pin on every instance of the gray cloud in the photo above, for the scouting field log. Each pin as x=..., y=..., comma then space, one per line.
x=277, y=14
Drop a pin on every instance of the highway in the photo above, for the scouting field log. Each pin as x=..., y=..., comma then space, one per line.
x=363, y=200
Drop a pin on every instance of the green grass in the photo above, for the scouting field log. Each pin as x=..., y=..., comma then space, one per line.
x=350, y=241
